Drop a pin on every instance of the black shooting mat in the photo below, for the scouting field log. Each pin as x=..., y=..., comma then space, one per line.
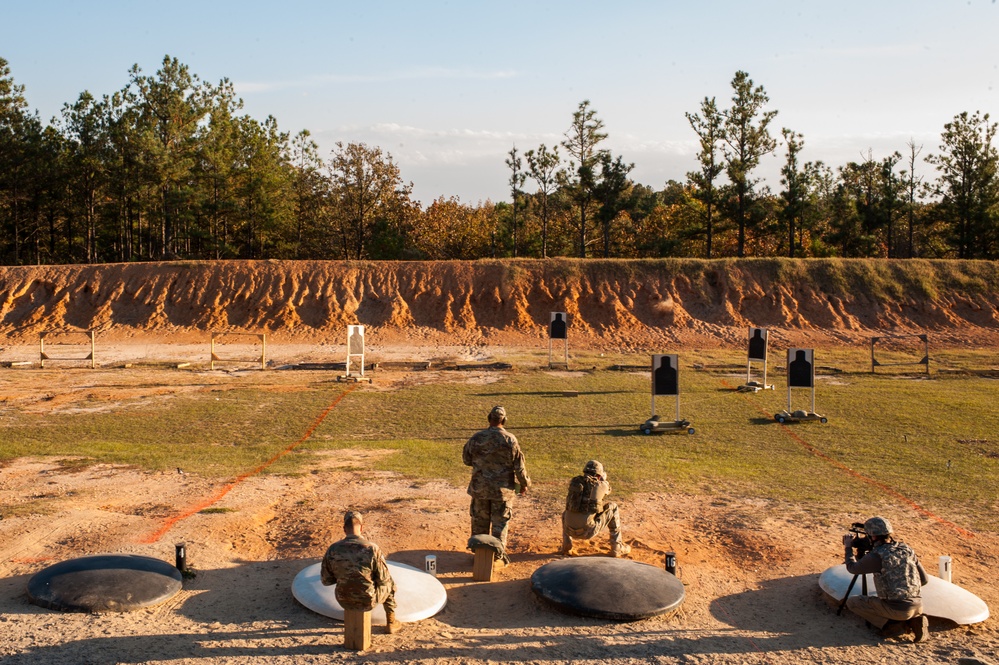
x=606, y=588
x=105, y=583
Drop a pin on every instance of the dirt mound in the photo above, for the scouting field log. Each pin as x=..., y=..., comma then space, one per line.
x=626, y=303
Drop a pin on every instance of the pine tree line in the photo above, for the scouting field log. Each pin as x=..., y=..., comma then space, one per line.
x=169, y=167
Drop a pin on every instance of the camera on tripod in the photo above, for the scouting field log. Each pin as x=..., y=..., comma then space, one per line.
x=861, y=542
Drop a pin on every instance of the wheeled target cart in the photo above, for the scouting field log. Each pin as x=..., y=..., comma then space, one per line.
x=666, y=381
x=654, y=425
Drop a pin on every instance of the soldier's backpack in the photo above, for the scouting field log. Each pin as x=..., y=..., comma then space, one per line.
x=583, y=495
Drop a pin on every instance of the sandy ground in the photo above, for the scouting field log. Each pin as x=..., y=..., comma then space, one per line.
x=749, y=565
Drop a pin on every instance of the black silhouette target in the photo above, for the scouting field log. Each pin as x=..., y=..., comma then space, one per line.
x=800, y=368
x=558, y=327
x=665, y=374
x=758, y=344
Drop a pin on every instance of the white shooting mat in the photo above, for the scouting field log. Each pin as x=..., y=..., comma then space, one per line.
x=418, y=595
x=940, y=598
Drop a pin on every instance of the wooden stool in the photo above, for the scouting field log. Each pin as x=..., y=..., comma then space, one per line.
x=357, y=629
x=482, y=568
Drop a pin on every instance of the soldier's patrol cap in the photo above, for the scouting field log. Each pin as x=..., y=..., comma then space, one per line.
x=498, y=413
x=352, y=516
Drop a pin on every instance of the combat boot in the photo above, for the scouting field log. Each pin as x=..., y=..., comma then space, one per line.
x=392, y=625
x=893, y=629
x=920, y=627
x=620, y=548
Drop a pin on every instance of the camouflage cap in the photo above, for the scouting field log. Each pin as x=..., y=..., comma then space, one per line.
x=352, y=516
x=497, y=414
x=877, y=526
x=593, y=468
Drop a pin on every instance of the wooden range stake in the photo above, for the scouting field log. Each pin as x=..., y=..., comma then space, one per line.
x=482, y=568
x=357, y=629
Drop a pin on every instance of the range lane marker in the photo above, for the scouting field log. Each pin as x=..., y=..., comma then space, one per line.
x=170, y=522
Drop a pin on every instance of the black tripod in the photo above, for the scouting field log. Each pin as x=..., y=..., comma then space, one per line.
x=863, y=590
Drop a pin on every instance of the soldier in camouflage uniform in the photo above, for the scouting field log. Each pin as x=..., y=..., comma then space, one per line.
x=586, y=513
x=496, y=461
x=898, y=576
x=358, y=569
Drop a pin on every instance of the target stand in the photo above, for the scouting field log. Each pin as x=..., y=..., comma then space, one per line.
x=355, y=350
x=758, y=338
x=666, y=381
x=800, y=374
x=558, y=329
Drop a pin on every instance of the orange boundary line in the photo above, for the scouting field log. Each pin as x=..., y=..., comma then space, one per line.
x=215, y=498
x=859, y=476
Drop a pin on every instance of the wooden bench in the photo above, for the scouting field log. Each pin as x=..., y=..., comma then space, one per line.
x=357, y=629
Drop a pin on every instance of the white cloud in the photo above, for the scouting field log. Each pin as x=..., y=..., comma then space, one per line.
x=414, y=74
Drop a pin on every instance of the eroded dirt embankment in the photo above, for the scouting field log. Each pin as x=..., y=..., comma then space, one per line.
x=634, y=303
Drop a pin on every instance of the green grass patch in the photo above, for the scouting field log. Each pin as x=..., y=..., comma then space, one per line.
x=898, y=429
x=933, y=440
x=216, y=434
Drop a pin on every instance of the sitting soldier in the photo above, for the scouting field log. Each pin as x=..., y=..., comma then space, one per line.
x=586, y=513
x=358, y=569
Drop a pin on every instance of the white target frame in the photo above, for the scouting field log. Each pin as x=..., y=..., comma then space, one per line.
x=352, y=344
x=551, y=323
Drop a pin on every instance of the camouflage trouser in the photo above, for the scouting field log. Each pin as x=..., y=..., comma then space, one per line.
x=486, y=512
x=878, y=612
x=362, y=602
x=385, y=595
x=608, y=517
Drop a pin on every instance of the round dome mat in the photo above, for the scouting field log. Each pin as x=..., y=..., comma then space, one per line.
x=605, y=588
x=418, y=595
x=105, y=583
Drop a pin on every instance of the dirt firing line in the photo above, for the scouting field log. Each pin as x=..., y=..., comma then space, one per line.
x=228, y=487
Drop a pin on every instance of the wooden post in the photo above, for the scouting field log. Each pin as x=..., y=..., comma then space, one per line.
x=357, y=629
x=482, y=568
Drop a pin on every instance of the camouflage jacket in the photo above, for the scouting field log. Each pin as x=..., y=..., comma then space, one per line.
x=584, y=500
x=899, y=578
x=586, y=494
x=358, y=569
x=497, y=462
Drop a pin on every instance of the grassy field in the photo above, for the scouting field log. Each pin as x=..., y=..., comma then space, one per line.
x=932, y=440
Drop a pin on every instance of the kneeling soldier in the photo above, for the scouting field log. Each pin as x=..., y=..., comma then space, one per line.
x=358, y=569
x=586, y=513
x=898, y=576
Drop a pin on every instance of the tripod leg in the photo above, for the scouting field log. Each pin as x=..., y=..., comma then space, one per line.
x=848, y=590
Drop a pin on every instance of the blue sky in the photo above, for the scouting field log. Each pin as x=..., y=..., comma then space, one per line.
x=449, y=87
